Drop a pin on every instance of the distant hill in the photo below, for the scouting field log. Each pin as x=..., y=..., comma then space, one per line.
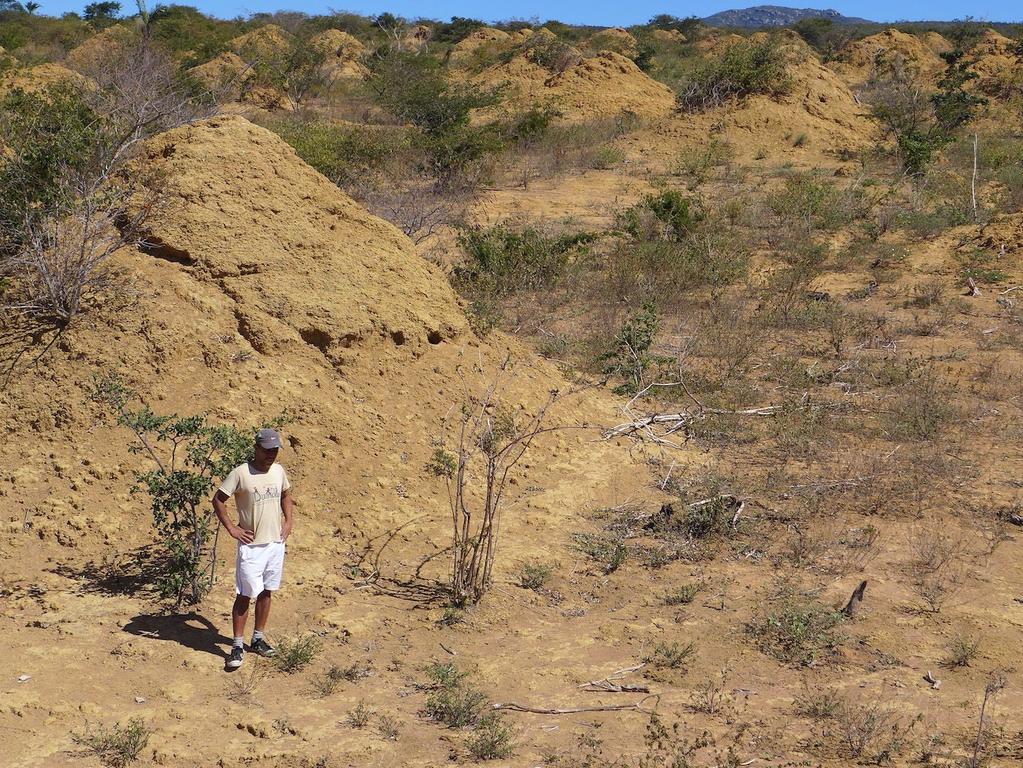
x=774, y=16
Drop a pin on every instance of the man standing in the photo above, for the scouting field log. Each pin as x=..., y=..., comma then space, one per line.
x=262, y=495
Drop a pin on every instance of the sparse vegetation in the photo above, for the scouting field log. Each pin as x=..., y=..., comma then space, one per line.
x=797, y=630
x=295, y=653
x=744, y=69
x=117, y=746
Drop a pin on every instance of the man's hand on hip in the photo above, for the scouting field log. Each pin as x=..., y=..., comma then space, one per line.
x=243, y=535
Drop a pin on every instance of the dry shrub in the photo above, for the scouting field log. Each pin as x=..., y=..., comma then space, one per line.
x=871, y=732
x=937, y=569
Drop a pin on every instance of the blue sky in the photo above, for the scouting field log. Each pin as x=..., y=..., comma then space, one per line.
x=599, y=12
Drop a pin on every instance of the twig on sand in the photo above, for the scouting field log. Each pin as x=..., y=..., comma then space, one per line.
x=636, y=705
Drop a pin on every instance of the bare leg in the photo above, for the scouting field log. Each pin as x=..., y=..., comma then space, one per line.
x=262, y=609
x=240, y=613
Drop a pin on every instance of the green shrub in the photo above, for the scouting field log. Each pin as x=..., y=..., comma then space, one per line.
x=610, y=552
x=684, y=595
x=345, y=154
x=117, y=746
x=294, y=654
x=416, y=90
x=194, y=454
x=816, y=203
x=501, y=260
x=360, y=715
x=674, y=655
x=46, y=136
x=666, y=215
x=552, y=54
x=744, y=69
x=455, y=703
x=535, y=575
x=628, y=357
x=797, y=631
x=491, y=739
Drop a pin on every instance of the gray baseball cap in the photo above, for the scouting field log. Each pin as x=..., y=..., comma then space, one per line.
x=268, y=438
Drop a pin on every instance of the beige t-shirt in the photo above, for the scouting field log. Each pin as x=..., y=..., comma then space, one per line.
x=258, y=498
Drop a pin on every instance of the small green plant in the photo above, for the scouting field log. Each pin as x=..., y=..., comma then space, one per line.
x=629, y=356
x=535, y=575
x=818, y=704
x=117, y=746
x=294, y=654
x=360, y=715
x=491, y=739
x=452, y=615
x=605, y=157
x=674, y=655
x=388, y=727
x=797, y=631
x=325, y=684
x=800, y=140
x=608, y=551
x=684, y=595
x=454, y=701
x=961, y=651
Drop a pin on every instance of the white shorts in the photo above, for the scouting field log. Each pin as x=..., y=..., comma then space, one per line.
x=259, y=567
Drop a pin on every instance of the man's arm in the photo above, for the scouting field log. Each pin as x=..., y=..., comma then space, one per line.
x=220, y=507
x=287, y=507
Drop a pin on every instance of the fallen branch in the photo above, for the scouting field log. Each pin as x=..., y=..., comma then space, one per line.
x=607, y=685
x=636, y=705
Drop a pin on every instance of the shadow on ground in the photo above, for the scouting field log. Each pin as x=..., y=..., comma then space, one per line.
x=187, y=629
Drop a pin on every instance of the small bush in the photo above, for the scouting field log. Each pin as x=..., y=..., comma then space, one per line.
x=674, y=655
x=389, y=728
x=502, y=260
x=457, y=707
x=117, y=746
x=453, y=702
x=360, y=715
x=344, y=153
x=819, y=704
x=961, y=651
x=294, y=654
x=746, y=68
x=325, y=684
x=629, y=357
x=797, y=631
x=922, y=411
x=684, y=595
x=609, y=552
x=535, y=575
x=491, y=739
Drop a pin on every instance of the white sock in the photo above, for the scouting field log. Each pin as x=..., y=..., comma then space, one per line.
x=239, y=642
x=257, y=635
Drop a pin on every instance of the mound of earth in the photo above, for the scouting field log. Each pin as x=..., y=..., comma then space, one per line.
x=859, y=60
x=484, y=37
x=999, y=67
x=225, y=73
x=668, y=36
x=614, y=39
x=274, y=218
x=343, y=53
x=604, y=85
x=99, y=48
x=262, y=288
x=819, y=107
x=40, y=77
x=261, y=44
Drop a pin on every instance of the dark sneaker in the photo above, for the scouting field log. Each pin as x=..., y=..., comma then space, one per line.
x=235, y=659
x=262, y=647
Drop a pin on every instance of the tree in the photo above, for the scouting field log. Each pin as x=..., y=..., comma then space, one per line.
x=489, y=439
x=102, y=10
x=188, y=455
x=31, y=7
x=11, y=5
x=65, y=205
